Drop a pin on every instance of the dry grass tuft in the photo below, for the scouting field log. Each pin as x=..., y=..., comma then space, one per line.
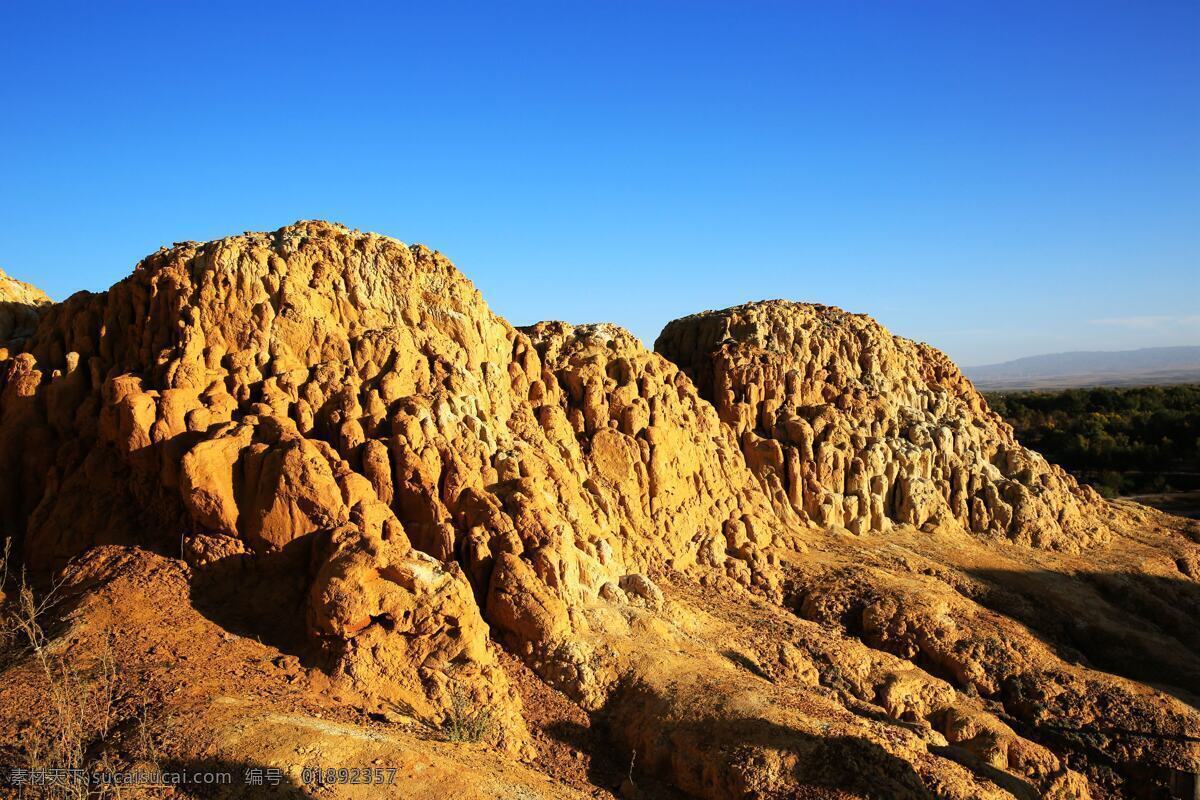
x=81, y=711
x=466, y=721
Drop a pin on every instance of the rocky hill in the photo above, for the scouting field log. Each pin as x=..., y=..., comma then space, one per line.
x=1147, y=366
x=788, y=555
x=854, y=427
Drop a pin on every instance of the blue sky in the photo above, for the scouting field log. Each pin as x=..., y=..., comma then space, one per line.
x=996, y=178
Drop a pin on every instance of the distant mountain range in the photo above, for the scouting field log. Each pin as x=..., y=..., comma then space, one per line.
x=1145, y=367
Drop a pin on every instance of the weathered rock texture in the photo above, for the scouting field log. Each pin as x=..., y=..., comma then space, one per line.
x=20, y=304
x=219, y=402
x=359, y=461
x=349, y=405
x=854, y=427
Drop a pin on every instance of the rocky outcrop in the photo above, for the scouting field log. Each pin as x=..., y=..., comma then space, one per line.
x=337, y=436
x=217, y=403
x=20, y=305
x=853, y=427
x=667, y=474
x=349, y=405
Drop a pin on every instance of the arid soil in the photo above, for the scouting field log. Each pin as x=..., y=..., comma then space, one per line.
x=298, y=500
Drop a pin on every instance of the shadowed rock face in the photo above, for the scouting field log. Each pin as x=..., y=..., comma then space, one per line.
x=340, y=438
x=854, y=427
x=20, y=305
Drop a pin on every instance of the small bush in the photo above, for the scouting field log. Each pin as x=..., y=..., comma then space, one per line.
x=466, y=721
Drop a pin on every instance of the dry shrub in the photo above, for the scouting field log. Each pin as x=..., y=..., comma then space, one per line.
x=80, y=714
x=466, y=720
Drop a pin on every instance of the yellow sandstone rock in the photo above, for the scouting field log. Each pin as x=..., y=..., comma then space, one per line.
x=787, y=554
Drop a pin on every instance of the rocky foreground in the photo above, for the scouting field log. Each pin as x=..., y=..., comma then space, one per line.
x=315, y=505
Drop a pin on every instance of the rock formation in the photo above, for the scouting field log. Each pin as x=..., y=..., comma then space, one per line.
x=20, y=304
x=356, y=459
x=854, y=427
x=350, y=405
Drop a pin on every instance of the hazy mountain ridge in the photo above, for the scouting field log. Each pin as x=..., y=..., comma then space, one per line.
x=1081, y=368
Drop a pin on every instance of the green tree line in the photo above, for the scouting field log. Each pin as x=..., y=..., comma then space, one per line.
x=1121, y=441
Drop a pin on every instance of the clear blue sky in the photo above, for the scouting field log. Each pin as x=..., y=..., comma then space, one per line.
x=996, y=178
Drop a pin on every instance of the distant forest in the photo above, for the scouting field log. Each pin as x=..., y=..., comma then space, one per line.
x=1121, y=441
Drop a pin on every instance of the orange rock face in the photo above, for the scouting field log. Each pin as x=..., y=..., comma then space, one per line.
x=218, y=403
x=787, y=555
x=351, y=404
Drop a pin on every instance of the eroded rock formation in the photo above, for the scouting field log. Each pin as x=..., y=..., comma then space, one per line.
x=20, y=305
x=343, y=442
x=350, y=404
x=854, y=427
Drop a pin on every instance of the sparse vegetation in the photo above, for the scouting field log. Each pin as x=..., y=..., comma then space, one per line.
x=1121, y=441
x=466, y=719
x=80, y=714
